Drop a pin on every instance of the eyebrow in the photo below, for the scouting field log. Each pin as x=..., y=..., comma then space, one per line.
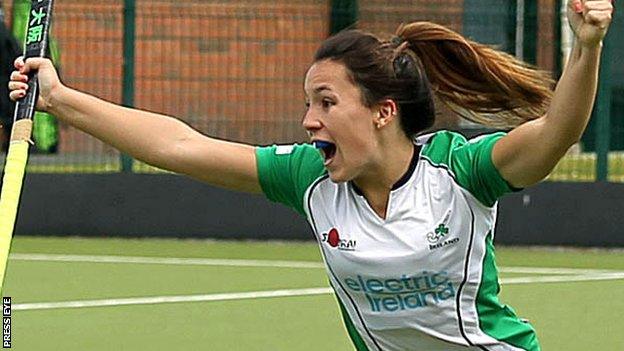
x=321, y=88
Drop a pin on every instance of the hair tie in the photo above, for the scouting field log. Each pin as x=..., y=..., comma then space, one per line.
x=404, y=66
x=397, y=41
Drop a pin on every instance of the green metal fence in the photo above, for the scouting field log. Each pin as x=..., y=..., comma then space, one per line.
x=234, y=69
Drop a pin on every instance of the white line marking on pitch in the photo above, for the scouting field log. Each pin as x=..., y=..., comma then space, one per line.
x=170, y=299
x=274, y=293
x=164, y=260
x=564, y=278
x=251, y=263
x=546, y=270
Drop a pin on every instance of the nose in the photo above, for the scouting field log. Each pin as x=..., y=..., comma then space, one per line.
x=310, y=122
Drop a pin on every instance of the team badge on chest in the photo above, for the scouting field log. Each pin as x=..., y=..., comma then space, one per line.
x=439, y=237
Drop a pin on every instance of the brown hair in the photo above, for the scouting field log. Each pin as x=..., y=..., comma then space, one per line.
x=426, y=59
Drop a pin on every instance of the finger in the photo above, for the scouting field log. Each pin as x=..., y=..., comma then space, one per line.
x=17, y=94
x=17, y=86
x=599, y=19
x=17, y=76
x=584, y=7
x=19, y=62
x=603, y=5
x=577, y=6
x=33, y=64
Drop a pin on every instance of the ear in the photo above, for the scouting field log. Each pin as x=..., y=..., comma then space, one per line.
x=387, y=112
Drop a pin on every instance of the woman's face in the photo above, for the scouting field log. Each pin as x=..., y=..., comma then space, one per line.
x=336, y=116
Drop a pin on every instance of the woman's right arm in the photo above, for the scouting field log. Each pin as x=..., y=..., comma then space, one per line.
x=158, y=140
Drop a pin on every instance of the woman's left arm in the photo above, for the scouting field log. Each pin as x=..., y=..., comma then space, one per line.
x=530, y=152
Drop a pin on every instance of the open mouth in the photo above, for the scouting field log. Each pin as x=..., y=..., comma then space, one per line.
x=327, y=149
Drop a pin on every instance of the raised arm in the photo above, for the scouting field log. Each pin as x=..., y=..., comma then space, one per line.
x=158, y=140
x=530, y=152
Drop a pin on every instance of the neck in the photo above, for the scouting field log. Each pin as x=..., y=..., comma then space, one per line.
x=376, y=184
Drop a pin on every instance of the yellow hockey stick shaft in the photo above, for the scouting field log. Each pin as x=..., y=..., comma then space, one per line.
x=14, y=169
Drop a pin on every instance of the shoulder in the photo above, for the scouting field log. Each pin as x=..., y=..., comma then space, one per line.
x=296, y=152
x=286, y=171
x=469, y=162
x=440, y=146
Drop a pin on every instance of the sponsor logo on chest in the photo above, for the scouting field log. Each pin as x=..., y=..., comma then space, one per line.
x=403, y=292
x=332, y=239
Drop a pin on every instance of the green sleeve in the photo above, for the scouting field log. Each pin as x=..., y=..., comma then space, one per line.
x=286, y=171
x=471, y=163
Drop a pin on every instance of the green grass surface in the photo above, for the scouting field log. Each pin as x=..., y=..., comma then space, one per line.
x=568, y=316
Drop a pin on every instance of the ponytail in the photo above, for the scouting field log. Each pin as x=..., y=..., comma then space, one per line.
x=479, y=83
x=426, y=61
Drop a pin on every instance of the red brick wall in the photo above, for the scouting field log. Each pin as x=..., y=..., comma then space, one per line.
x=90, y=41
x=382, y=16
x=234, y=70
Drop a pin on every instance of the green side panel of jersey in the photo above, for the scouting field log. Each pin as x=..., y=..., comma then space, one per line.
x=286, y=171
x=471, y=163
x=495, y=319
x=358, y=342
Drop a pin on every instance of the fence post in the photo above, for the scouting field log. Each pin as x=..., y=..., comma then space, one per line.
x=530, y=32
x=558, y=50
x=344, y=14
x=526, y=31
x=602, y=114
x=129, y=32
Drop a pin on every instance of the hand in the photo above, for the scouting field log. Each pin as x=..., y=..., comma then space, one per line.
x=49, y=82
x=590, y=20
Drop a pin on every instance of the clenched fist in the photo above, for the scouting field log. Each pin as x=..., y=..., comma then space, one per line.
x=590, y=20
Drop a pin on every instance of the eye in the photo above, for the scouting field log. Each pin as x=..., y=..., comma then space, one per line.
x=307, y=104
x=327, y=103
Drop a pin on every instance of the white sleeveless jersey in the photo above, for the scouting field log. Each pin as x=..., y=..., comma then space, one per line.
x=423, y=278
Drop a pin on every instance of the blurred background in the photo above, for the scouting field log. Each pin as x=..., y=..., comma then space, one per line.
x=234, y=69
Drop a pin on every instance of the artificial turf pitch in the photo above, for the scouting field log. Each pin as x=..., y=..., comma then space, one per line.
x=568, y=315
